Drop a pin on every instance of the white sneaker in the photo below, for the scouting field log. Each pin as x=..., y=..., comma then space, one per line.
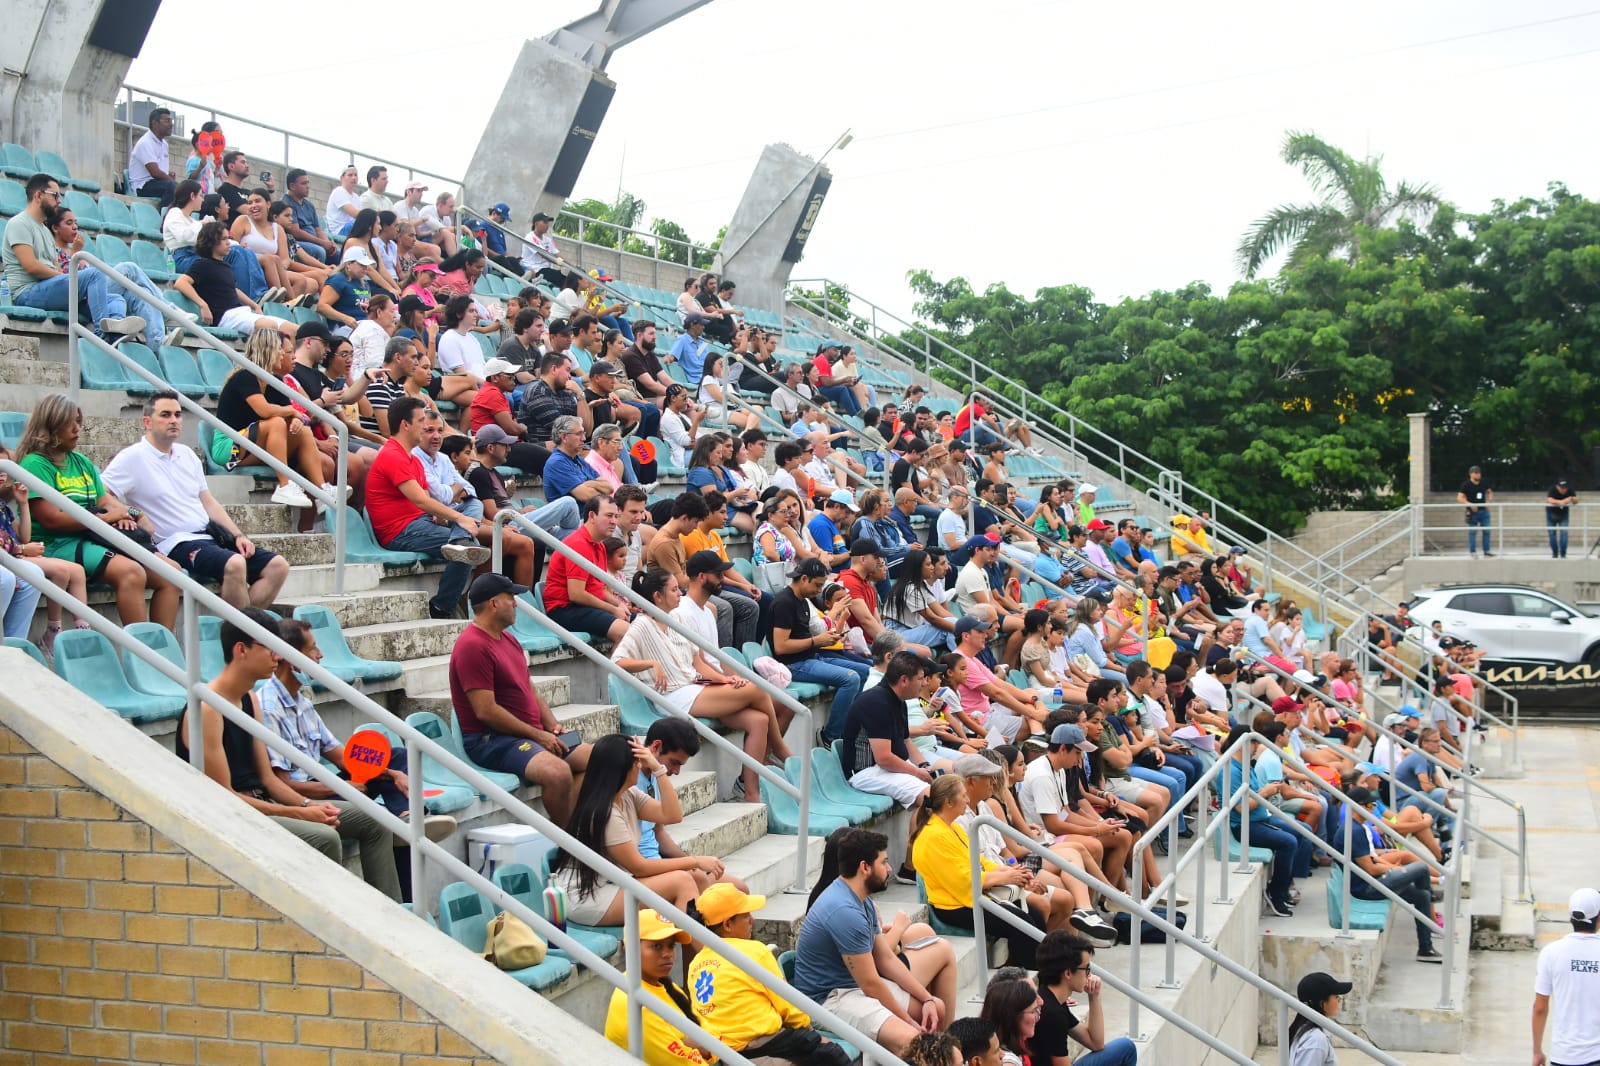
x=173, y=337
x=128, y=324
x=333, y=490
x=435, y=827
x=471, y=554
x=291, y=495
x=1089, y=923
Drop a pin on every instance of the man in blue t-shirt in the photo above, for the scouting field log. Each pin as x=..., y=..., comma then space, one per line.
x=845, y=961
x=827, y=528
x=690, y=350
x=1121, y=549
x=1416, y=771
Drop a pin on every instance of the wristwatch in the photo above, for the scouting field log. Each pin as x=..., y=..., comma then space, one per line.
x=134, y=512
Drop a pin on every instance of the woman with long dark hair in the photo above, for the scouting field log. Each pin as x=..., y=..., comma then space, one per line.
x=664, y=1044
x=606, y=819
x=1309, y=1043
x=1013, y=1007
x=914, y=608
x=364, y=235
x=1221, y=598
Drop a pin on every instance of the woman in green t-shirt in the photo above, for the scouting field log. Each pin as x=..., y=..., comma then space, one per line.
x=49, y=451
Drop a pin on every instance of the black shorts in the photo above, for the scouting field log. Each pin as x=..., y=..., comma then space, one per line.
x=205, y=558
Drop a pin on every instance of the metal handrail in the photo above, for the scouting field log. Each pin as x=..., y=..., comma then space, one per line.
x=416, y=745
x=1580, y=523
x=802, y=793
x=76, y=330
x=983, y=906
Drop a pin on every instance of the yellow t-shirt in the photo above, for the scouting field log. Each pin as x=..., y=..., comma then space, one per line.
x=664, y=1045
x=694, y=541
x=943, y=856
x=734, y=1006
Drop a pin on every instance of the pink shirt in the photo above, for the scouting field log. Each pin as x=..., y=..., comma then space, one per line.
x=1343, y=691
x=603, y=470
x=973, y=701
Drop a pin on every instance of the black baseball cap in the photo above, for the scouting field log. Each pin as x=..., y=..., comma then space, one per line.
x=706, y=561
x=314, y=331
x=489, y=586
x=1315, y=988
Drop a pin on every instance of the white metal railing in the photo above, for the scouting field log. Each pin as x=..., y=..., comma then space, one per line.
x=983, y=907
x=412, y=830
x=801, y=793
x=1519, y=525
x=77, y=332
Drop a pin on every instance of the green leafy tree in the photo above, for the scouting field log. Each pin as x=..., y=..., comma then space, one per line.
x=1353, y=197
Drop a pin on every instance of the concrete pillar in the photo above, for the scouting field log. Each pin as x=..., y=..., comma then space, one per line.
x=64, y=97
x=535, y=143
x=774, y=219
x=1421, y=443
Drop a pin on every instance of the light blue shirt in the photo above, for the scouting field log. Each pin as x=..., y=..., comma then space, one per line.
x=1255, y=636
x=691, y=355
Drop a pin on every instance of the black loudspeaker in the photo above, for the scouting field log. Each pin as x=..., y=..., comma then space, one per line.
x=808, y=218
x=123, y=26
x=580, y=138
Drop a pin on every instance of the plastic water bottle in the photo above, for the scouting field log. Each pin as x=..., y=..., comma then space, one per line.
x=1057, y=693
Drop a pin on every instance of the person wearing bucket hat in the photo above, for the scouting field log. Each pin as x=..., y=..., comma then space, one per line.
x=664, y=1044
x=742, y=1012
x=1568, y=980
x=1309, y=1043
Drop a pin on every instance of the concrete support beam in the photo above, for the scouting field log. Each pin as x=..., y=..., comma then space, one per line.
x=1421, y=442
x=774, y=219
x=596, y=36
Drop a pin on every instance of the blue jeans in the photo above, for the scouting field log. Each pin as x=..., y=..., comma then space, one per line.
x=105, y=300
x=842, y=396
x=922, y=633
x=620, y=326
x=155, y=325
x=559, y=518
x=1476, y=520
x=1291, y=853
x=1441, y=821
x=427, y=536
x=18, y=598
x=981, y=435
x=1118, y=1052
x=161, y=188
x=1558, y=535
x=1410, y=883
x=246, y=268
x=315, y=251
x=649, y=420
x=844, y=675
x=1169, y=779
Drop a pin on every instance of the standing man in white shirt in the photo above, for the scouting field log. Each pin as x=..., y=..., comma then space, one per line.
x=169, y=486
x=149, y=167
x=539, y=252
x=1569, y=975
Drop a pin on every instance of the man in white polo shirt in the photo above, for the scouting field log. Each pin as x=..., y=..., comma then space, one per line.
x=1569, y=974
x=169, y=486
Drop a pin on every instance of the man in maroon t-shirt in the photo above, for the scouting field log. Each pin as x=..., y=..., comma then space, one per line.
x=406, y=519
x=504, y=725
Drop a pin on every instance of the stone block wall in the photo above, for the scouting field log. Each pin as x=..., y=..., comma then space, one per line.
x=117, y=944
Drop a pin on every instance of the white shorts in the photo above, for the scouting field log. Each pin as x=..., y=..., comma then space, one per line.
x=861, y=1010
x=1125, y=788
x=683, y=698
x=244, y=320
x=903, y=788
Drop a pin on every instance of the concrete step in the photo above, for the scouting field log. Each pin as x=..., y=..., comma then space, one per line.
x=370, y=607
x=316, y=580
x=261, y=518
x=721, y=829
x=555, y=691
x=398, y=642
x=1407, y=1010
x=33, y=372
x=300, y=549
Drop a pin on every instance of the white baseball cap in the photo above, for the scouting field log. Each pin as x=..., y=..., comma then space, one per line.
x=1585, y=905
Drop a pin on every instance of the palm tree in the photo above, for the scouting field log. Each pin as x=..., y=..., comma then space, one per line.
x=1353, y=195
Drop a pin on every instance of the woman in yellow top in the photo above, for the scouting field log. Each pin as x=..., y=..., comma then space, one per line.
x=664, y=1042
x=942, y=858
x=739, y=1010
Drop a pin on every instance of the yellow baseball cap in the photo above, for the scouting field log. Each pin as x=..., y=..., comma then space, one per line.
x=722, y=901
x=654, y=927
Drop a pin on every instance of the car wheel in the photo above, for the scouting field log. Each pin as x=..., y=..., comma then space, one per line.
x=1591, y=657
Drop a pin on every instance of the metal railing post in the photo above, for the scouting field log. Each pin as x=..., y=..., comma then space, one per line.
x=419, y=814
x=74, y=330
x=632, y=949
x=191, y=662
x=1349, y=832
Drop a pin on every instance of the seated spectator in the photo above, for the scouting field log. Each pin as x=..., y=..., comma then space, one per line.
x=458, y=351
x=314, y=350
x=371, y=335
x=861, y=580
x=852, y=964
x=343, y=204
x=874, y=524
x=606, y=819
x=708, y=472
x=282, y=430
x=1398, y=870
x=693, y=682
x=680, y=423
x=1012, y=1006
x=827, y=527
x=809, y=649
x=150, y=171
x=540, y=256
x=566, y=473
x=211, y=284
x=608, y=399
x=1054, y=793
x=974, y=586
x=254, y=229
x=994, y=708
x=1043, y=636
x=347, y=292
x=438, y=223
x=522, y=350
x=643, y=367
x=777, y=541
x=446, y=483
x=492, y=406
x=20, y=595
x=663, y=1043
x=689, y=350
x=876, y=755
x=64, y=229
x=36, y=279
x=1422, y=778
x=1064, y=972
x=749, y=605
x=406, y=518
x=237, y=761
x=915, y=607
x=305, y=226
x=1084, y=638
x=190, y=527
x=574, y=598
x=49, y=451
x=942, y=854
x=1152, y=795
x=1291, y=852
x=554, y=395
x=837, y=389
x=742, y=1013
x=710, y=397
x=386, y=383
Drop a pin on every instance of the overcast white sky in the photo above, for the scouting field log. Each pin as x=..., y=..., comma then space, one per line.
x=1037, y=142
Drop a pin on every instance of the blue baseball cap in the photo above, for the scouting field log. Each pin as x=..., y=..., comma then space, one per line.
x=502, y=209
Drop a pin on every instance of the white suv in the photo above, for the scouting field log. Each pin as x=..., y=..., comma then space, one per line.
x=1512, y=623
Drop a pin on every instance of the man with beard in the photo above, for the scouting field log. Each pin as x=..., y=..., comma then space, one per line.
x=643, y=367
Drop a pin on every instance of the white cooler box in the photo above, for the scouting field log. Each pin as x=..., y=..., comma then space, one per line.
x=491, y=847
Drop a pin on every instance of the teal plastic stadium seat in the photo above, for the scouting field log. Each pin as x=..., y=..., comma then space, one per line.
x=786, y=964
x=637, y=713
x=115, y=217
x=26, y=646
x=447, y=798
x=249, y=468
x=827, y=774
x=783, y=814
x=1257, y=854
x=464, y=914
x=13, y=198
x=17, y=162
x=141, y=354
x=941, y=927
x=433, y=774
x=53, y=165
x=97, y=370
x=800, y=690
x=210, y=641
x=1364, y=913
x=823, y=803
x=12, y=423
x=84, y=206
x=434, y=728
x=146, y=678
x=182, y=372
x=537, y=596
x=533, y=636
x=526, y=885
x=146, y=220
x=215, y=366
x=88, y=662
x=153, y=261
x=664, y=463
x=361, y=543
x=337, y=658
x=1313, y=626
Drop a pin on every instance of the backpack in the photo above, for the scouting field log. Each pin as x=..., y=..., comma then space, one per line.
x=1148, y=934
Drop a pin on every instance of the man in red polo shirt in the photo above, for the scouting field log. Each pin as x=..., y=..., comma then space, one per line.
x=574, y=598
x=406, y=519
x=987, y=431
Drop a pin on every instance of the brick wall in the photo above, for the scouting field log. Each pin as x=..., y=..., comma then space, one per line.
x=116, y=944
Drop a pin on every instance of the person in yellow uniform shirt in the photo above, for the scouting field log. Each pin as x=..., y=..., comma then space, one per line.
x=664, y=1044
x=738, y=1010
x=942, y=857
